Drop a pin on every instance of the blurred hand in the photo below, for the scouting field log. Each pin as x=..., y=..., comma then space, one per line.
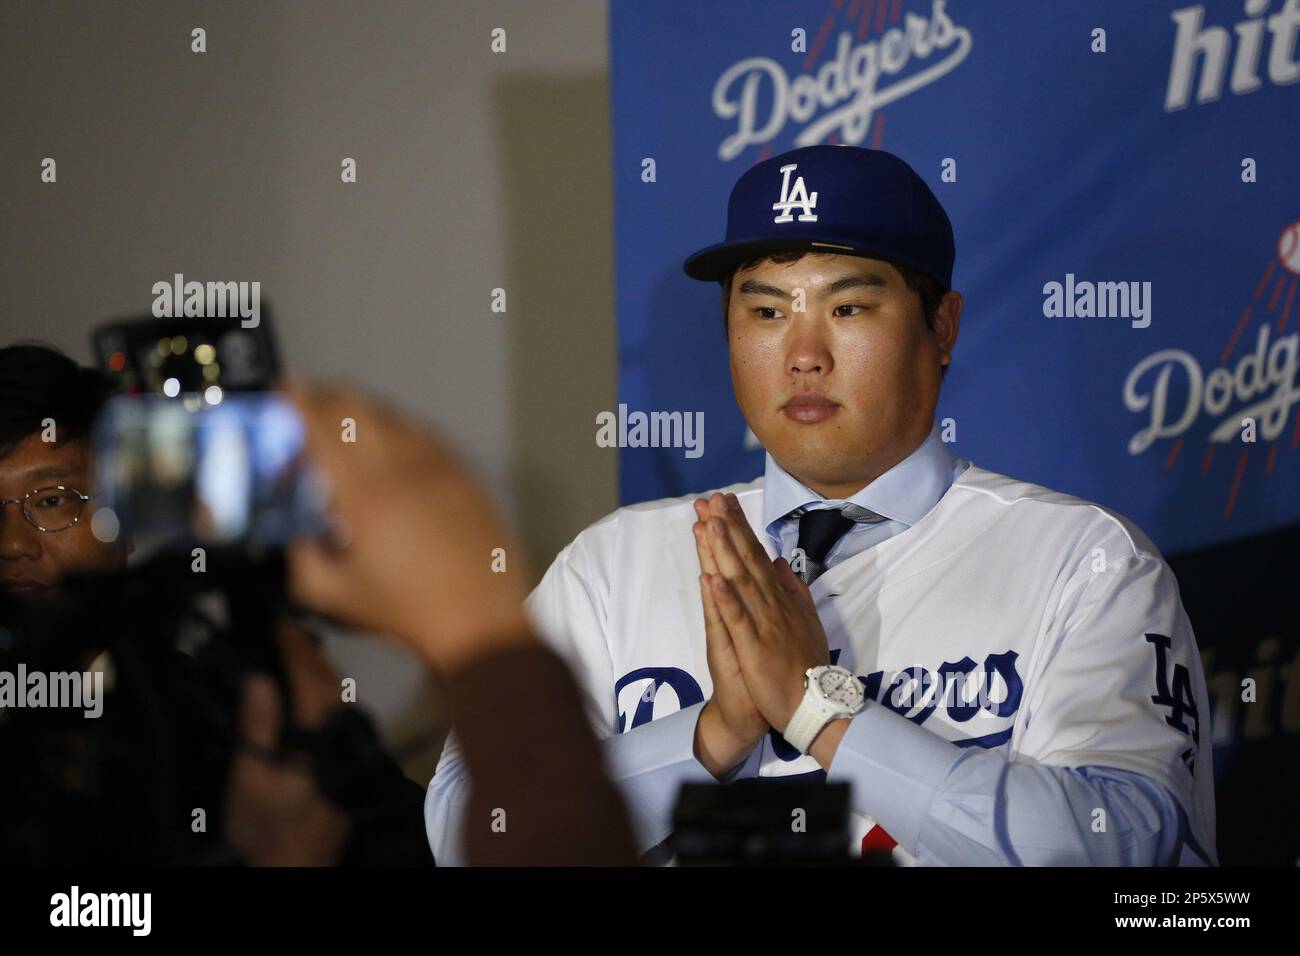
x=414, y=553
x=275, y=816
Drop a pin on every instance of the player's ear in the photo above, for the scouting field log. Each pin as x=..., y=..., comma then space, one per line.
x=726, y=283
x=947, y=322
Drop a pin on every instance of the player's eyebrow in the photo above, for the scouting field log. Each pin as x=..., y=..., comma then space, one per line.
x=858, y=280
x=51, y=472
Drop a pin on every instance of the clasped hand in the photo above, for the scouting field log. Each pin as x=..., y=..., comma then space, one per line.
x=762, y=634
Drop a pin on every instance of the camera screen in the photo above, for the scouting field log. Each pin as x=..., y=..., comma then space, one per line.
x=178, y=470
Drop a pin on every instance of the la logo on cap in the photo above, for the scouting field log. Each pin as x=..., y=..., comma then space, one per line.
x=796, y=196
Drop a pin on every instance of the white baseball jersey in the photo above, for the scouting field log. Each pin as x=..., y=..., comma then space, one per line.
x=1010, y=618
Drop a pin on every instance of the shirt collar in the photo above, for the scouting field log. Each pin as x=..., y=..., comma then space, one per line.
x=904, y=493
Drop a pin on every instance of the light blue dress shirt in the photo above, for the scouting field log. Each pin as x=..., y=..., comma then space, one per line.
x=903, y=495
x=946, y=804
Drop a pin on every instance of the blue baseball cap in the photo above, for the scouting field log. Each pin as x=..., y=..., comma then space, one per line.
x=844, y=200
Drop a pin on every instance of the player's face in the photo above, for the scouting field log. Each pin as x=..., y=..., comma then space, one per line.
x=843, y=390
x=34, y=559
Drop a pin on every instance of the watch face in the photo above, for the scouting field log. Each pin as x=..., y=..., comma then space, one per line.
x=840, y=687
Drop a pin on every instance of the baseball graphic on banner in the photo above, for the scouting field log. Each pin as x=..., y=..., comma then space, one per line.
x=1288, y=247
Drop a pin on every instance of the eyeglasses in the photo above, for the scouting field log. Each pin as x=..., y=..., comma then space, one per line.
x=56, y=508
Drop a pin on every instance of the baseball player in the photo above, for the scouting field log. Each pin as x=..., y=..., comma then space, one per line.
x=1004, y=674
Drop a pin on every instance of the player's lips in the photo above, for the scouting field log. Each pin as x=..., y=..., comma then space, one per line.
x=810, y=408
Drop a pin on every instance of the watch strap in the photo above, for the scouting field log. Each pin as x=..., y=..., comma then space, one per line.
x=809, y=718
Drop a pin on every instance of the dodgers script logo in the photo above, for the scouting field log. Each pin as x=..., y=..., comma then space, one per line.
x=852, y=75
x=646, y=682
x=796, y=197
x=1251, y=399
x=963, y=690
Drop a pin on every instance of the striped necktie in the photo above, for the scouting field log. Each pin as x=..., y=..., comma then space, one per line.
x=820, y=530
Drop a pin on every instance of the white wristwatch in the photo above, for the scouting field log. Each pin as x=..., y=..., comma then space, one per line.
x=829, y=693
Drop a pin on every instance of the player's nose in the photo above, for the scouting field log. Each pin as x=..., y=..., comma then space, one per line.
x=808, y=350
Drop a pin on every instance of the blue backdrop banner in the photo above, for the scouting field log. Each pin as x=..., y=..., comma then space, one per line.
x=1122, y=180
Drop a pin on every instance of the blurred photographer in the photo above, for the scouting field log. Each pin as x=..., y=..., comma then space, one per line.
x=56, y=764
x=143, y=782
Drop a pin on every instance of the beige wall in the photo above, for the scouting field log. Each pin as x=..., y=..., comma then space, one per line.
x=476, y=170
